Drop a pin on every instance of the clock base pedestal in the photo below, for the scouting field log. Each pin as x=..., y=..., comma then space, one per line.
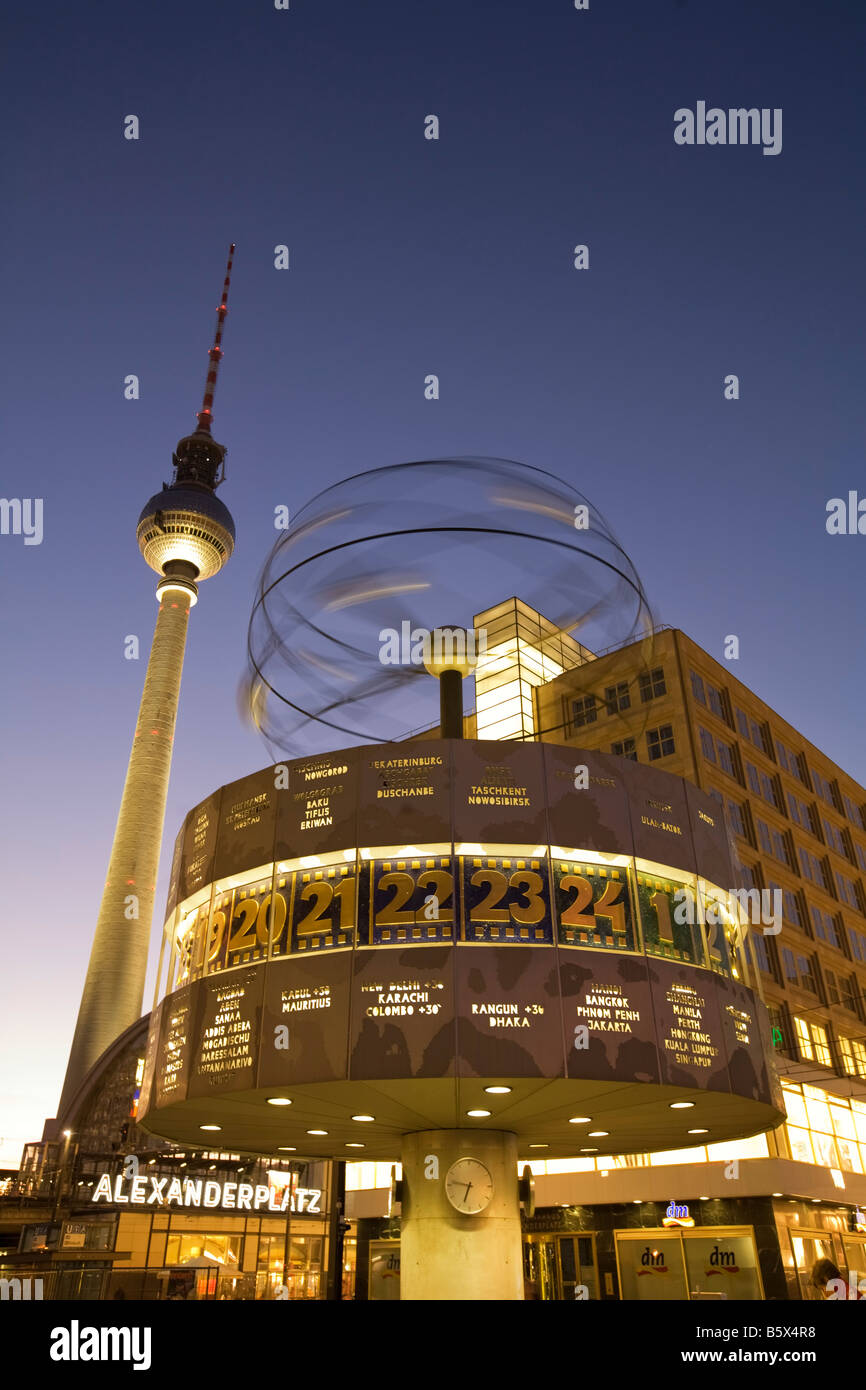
x=446, y=1253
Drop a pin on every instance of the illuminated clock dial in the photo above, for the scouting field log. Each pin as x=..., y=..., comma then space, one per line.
x=468, y=1186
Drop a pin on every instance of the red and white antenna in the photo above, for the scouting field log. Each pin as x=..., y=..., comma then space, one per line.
x=205, y=415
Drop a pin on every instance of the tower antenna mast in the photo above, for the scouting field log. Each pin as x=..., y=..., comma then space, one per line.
x=205, y=415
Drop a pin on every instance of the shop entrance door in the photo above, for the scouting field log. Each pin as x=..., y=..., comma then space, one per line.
x=809, y=1246
x=559, y=1268
x=855, y=1260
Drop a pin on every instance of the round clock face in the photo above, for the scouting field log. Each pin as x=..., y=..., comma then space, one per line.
x=468, y=1186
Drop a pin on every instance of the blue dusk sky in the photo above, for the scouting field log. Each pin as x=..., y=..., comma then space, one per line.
x=408, y=256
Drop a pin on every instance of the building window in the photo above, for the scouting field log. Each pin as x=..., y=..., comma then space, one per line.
x=708, y=745
x=847, y=891
x=821, y=1044
x=861, y=855
x=583, y=711
x=768, y=790
x=804, y=1041
x=812, y=1042
x=749, y=875
x=842, y=990
x=758, y=944
x=834, y=837
x=625, y=749
x=781, y=1033
x=852, y=1053
x=760, y=738
x=781, y=848
x=660, y=742
x=735, y=814
x=812, y=868
x=791, y=762
x=270, y=1255
x=773, y=842
x=616, y=697
x=806, y=973
x=824, y=926
x=801, y=813
x=824, y=789
x=189, y=1248
x=762, y=785
x=716, y=701
x=858, y=944
x=726, y=757
x=799, y=970
x=792, y=907
x=854, y=814
x=652, y=684
x=749, y=728
x=698, y=687
x=763, y=836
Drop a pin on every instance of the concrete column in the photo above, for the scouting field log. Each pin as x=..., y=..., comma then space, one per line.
x=443, y=1253
x=114, y=986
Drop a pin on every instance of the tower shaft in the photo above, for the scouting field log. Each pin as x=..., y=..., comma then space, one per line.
x=114, y=985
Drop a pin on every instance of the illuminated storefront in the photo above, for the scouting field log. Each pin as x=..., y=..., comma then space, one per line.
x=109, y=1213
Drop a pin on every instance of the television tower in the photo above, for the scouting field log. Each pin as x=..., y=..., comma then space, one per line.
x=186, y=535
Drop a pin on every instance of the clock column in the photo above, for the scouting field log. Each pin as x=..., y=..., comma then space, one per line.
x=446, y=1253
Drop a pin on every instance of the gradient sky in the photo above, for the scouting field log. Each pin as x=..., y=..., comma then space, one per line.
x=408, y=256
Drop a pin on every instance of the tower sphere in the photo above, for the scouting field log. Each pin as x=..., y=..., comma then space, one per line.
x=186, y=522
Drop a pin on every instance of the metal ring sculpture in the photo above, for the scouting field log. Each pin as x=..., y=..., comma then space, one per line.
x=427, y=542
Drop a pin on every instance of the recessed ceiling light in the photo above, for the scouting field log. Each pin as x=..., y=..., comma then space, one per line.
x=816, y=1199
x=210, y=1126
x=777, y=1194
x=699, y=1131
x=636, y=1202
x=287, y=1149
x=363, y=1118
x=317, y=1131
x=682, y=1105
x=279, y=1100
x=704, y=1199
x=498, y=1090
x=580, y=1120
x=539, y=1146
x=480, y=1115
x=354, y=1146
x=589, y=1151
x=599, y=1133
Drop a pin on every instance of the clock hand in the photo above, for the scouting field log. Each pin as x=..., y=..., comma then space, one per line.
x=468, y=1185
